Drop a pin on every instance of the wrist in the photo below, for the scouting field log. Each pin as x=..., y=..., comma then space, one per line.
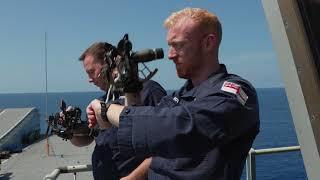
x=104, y=110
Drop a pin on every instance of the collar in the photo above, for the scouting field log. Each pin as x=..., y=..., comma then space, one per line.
x=189, y=90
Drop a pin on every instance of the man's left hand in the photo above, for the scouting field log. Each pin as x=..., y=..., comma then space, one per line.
x=94, y=115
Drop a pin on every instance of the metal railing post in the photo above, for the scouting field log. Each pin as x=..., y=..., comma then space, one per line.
x=68, y=169
x=251, y=165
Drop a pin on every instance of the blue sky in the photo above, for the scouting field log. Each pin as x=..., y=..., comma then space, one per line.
x=73, y=25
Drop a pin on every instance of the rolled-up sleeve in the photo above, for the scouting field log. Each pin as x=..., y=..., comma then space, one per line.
x=166, y=132
x=146, y=130
x=125, y=134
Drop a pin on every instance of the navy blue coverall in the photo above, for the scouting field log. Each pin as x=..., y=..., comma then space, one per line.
x=107, y=161
x=202, y=132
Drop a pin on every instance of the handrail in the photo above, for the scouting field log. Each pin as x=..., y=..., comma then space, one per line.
x=250, y=163
x=67, y=169
x=251, y=159
x=275, y=150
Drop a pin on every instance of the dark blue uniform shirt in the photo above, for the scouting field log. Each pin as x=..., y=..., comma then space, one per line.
x=107, y=162
x=202, y=132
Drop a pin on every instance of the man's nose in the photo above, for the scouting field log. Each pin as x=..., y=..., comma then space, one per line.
x=172, y=53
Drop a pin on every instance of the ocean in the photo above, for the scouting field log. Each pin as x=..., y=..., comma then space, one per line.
x=276, y=128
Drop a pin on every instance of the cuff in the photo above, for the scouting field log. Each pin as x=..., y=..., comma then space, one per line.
x=125, y=133
x=132, y=132
x=140, y=135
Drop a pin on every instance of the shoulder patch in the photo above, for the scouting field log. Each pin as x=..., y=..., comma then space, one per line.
x=236, y=89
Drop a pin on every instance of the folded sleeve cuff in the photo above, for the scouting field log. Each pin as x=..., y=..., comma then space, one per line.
x=125, y=133
x=132, y=133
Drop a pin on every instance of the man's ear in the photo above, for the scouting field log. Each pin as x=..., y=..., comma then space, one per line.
x=210, y=41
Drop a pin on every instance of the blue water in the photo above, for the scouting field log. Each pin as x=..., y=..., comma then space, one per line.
x=276, y=127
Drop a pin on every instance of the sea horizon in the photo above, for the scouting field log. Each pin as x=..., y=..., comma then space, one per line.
x=98, y=91
x=276, y=129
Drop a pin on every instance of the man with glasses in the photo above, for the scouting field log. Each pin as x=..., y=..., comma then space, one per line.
x=207, y=126
x=107, y=161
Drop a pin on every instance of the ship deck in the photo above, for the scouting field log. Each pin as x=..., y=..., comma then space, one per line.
x=10, y=117
x=34, y=163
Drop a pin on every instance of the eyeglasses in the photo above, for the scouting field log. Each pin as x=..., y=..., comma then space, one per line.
x=99, y=75
x=92, y=73
x=177, y=46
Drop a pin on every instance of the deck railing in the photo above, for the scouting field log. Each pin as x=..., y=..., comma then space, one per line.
x=68, y=169
x=251, y=158
x=250, y=163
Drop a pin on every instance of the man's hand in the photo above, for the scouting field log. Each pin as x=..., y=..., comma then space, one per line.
x=126, y=75
x=141, y=172
x=62, y=116
x=94, y=115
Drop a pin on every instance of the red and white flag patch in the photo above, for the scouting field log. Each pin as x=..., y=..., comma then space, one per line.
x=235, y=89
